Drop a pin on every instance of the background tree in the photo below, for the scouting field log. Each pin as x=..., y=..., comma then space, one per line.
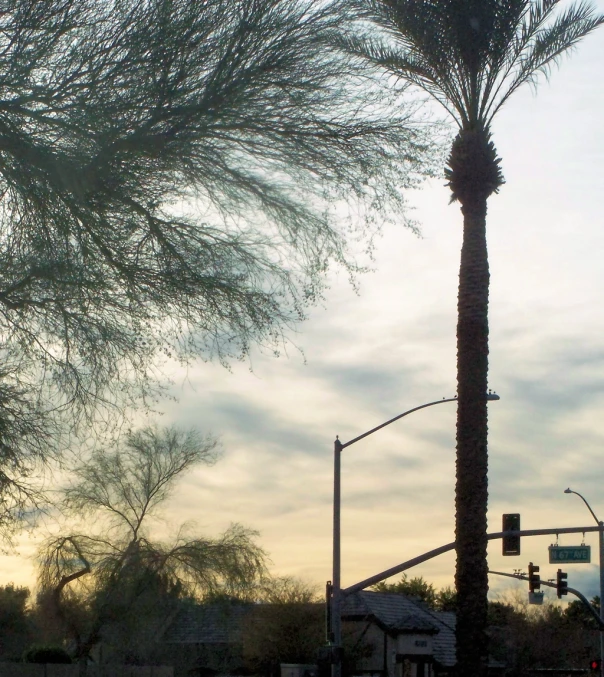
x=287, y=625
x=576, y=612
x=16, y=631
x=547, y=637
x=444, y=599
x=47, y=655
x=470, y=56
x=169, y=188
x=127, y=581
x=416, y=587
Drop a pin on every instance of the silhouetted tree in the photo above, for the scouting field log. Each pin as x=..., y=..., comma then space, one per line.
x=287, y=625
x=169, y=183
x=16, y=631
x=416, y=587
x=470, y=56
x=446, y=599
x=126, y=578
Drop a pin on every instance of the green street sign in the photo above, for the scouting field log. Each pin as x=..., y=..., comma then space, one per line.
x=574, y=554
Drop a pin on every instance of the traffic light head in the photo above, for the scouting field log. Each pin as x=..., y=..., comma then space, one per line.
x=561, y=583
x=534, y=578
x=510, y=545
x=595, y=664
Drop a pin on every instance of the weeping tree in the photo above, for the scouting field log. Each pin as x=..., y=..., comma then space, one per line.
x=470, y=56
x=171, y=183
x=115, y=579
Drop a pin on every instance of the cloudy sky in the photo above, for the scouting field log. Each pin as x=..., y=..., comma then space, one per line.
x=371, y=356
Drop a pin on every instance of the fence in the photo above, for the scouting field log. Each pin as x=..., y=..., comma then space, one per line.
x=49, y=670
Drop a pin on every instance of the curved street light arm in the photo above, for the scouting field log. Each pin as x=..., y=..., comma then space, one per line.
x=342, y=445
x=392, y=420
x=570, y=491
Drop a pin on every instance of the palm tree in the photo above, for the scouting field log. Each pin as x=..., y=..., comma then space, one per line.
x=471, y=56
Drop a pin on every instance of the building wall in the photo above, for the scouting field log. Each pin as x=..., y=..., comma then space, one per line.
x=415, y=644
x=386, y=659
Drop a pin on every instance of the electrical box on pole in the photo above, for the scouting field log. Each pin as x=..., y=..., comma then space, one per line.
x=328, y=605
x=561, y=583
x=510, y=545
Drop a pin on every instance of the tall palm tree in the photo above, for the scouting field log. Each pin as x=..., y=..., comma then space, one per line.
x=471, y=56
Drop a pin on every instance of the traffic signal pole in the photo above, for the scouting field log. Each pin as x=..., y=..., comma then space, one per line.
x=572, y=591
x=601, y=548
x=399, y=568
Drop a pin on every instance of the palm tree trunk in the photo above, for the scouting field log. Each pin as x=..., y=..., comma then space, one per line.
x=471, y=497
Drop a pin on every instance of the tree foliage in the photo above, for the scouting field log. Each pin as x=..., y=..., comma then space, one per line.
x=444, y=599
x=170, y=174
x=472, y=55
x=16, y=630
x=287, y=625
x=547, y=637
x=107, y=578
x=416, y=587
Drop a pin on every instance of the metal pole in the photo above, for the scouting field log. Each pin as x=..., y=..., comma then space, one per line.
x=601, y=548
x=336, y=595
x=572, y=591
x=601, y=542
x=399, y=568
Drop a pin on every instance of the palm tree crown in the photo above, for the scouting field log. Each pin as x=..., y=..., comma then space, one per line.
x=472, y=55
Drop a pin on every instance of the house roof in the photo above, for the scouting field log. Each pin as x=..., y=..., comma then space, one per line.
x=398, y=613
x=207, y=624
x=221, y=623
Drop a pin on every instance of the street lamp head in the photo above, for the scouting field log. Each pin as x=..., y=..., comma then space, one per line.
x=492, y=397
x=568, y=491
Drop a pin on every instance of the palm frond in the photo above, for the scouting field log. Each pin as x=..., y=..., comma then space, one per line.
x=519, y=34
x=469, y=55
x=410, y=68
x=540, y=46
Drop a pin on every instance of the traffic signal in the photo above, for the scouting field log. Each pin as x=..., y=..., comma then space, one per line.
x=595, y=664
x=561, y=583
x=534, y=578
x=510, y=545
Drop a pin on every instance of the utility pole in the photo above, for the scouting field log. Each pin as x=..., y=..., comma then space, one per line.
x=601, y=548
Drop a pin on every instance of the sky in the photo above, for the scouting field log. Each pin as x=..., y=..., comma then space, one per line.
x=370, y=356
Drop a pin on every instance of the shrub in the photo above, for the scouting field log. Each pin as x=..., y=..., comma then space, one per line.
x=46, y=654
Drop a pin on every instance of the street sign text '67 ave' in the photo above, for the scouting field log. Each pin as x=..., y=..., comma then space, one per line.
x=573, y=554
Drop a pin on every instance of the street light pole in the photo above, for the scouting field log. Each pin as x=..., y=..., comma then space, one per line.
x=336, y=588
x=601, y=544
